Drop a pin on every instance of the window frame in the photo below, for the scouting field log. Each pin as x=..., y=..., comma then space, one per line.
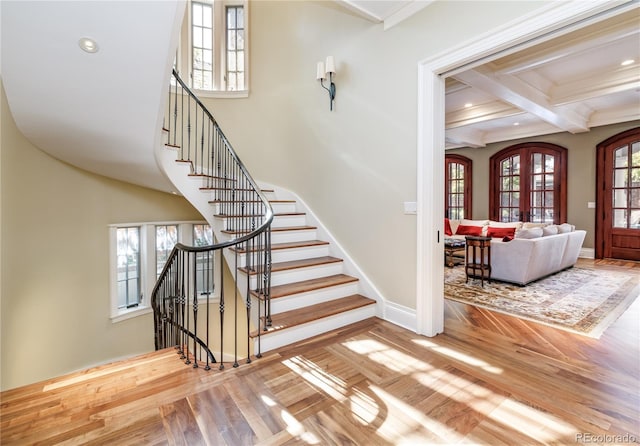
x=148, y=272
x=525, y=151
x=467, y=163
x=184, y=56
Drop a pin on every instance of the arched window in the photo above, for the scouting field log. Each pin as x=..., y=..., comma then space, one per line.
x=529, y=183
x=457, y=188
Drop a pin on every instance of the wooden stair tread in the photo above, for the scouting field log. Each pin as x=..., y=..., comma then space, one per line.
x=287, y=245
x=307, y=286
x=213, y=177
x=288, y=228
x=295, y=264
x=288, y=319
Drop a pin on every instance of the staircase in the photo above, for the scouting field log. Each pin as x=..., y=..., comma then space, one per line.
x=310, y=291
x=305, y=287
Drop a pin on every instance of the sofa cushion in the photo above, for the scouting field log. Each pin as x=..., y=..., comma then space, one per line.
x=469, y=230
x=447, y=227
x=565, y=227
x=549, y=230
x=500, y=232
x=510, y=224
x=529, y=233
x=529, y=225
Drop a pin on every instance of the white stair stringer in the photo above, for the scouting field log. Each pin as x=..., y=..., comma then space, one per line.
x=301, y=228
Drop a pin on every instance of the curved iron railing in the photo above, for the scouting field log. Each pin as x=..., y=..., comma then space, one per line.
x=192, y=274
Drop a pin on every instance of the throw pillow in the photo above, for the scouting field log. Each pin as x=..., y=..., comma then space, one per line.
x=565, y=227
x=529, y=233
x=500, y=232
x=529, y=225
x=447, y=227
x=549, y=230
x=469, y=230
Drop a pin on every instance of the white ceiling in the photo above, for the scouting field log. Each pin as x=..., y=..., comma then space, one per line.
x=100, y=112
x=571, y=84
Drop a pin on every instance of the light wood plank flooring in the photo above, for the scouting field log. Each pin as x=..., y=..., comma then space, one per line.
x=489, y=379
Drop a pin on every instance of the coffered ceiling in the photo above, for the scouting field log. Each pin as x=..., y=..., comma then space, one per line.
x=588, y=78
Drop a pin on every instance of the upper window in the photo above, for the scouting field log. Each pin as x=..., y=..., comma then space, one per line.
x=457, y=188
x=213, y=51
x=529, y=183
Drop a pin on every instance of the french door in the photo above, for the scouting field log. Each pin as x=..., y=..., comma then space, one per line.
x=618, y=197
x=528, y=183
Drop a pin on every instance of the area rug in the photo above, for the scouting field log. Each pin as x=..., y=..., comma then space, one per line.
x=580, y=300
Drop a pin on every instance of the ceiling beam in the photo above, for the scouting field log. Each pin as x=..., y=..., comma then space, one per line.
x=480, y=113
x=465, y=136
x=514, y=91
x=597, y=85
x=584, y=41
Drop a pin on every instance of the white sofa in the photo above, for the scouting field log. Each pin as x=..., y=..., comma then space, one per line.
x=531, y=254
x=524, y=260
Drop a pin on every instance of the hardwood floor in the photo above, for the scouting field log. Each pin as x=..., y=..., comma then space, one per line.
x=489, y=379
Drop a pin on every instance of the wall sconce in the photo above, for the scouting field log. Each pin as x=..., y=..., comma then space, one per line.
x=323, y=70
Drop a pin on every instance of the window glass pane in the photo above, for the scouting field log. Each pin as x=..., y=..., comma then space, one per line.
x=231, y=40
x=536, y=163
x=240, y=41
x=197, y=59
x=240, y=67
x=231, y=17
x=240, y=17
x=635, y=198
x=207, y=81
x=635, y=154
x=620, y=157
x=504, y=199
x=207, y=62
x=549, y=161
x=620, y=178
x=128, y=266
x=197, y=14
x=635, y=177
x=620, y=218
x=207, y=38
x=548, y=199
x=231, y=61
x=620, y=198
x=203, y=236
x=166, y=239
x=207, y=16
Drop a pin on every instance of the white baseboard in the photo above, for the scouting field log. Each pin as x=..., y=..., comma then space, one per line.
x=400, y=315
x=587, y=253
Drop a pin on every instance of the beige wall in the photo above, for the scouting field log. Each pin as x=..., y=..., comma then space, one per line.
x=354, y=166
x=581, y=181
x=55, y=261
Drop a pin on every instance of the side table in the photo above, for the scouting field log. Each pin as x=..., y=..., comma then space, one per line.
x=478, y=258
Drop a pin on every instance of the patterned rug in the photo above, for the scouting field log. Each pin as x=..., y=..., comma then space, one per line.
x=581, y=300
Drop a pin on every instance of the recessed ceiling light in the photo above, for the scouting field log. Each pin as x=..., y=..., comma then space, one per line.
x=88, y=45
x=627, y=62
x=468, y=104
x=516, y=123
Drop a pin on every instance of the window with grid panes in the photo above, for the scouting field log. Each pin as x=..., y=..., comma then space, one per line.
x=457, y=187
x=213, y=50
x=529, y=184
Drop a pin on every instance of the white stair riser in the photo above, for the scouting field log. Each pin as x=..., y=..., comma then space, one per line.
x=300, y=274
x=287, y=255
x=302, y=300
x=277, y=339
x=285, y=221
x=283, y=208
x=300, y=235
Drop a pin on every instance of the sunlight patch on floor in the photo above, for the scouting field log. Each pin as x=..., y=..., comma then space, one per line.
x=458, y=356
x=391, y=358
x=315, y=375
